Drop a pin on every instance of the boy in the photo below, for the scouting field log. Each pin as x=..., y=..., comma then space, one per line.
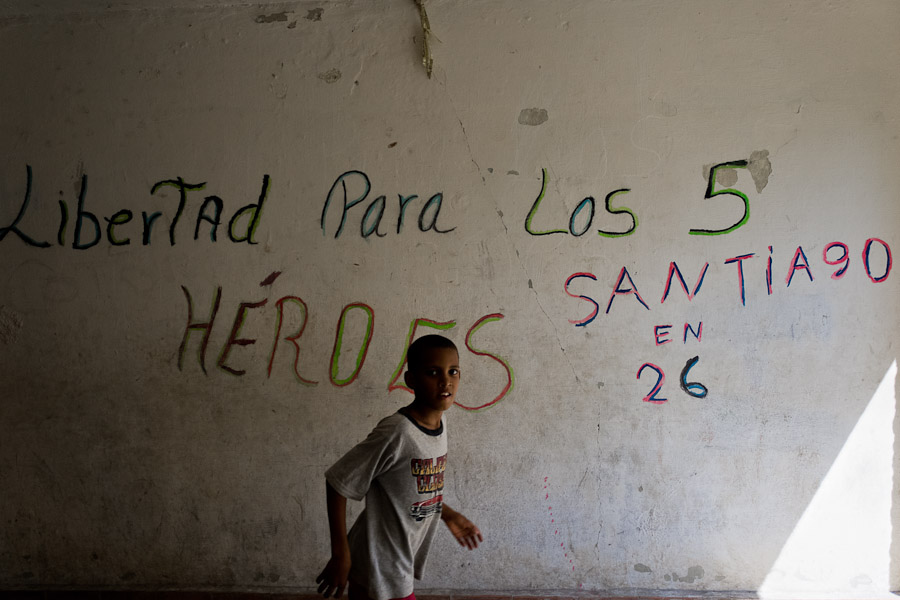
x=399, y=469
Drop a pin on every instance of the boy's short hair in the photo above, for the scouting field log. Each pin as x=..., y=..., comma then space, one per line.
x=416, y=352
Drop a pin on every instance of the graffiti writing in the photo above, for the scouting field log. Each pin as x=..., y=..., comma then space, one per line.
x=710, y=185
x=587, y=203
x=370, y=221
x=693, y=388
x=834, y=254
x=625, y=286
x=203, y=325
x=89, y=233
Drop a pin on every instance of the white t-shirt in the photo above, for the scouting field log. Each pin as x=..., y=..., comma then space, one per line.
x=399, y=469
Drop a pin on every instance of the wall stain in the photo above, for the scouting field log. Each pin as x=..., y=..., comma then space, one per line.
x=314, y=14
x=726, y=177
x=273, y=18
x=758, y=164
x=11, y=324
x=760, y=168
x=533, y=116
x=330, y=76
x=640, y=568
x=693, y=574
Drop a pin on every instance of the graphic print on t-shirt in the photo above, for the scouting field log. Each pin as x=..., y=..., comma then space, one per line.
x=429, y=474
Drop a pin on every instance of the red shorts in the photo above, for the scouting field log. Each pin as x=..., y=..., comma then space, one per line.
x=358, y=592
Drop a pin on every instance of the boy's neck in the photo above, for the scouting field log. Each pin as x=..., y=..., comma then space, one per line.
x=423, y=415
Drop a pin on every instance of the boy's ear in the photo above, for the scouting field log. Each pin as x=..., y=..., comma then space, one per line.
x=409, y=378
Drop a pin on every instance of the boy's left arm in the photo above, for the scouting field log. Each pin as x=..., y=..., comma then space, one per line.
x=465, y=532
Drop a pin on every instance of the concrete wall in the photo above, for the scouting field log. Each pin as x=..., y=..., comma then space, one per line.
x=192, y=328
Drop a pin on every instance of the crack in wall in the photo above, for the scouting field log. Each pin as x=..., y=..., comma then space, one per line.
x=502, y=222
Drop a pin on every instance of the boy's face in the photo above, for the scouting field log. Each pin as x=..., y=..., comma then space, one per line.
x=437, y=380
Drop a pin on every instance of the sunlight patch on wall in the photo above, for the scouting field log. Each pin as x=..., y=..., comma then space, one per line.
x=841, y=544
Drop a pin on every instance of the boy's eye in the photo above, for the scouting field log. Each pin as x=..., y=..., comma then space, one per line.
x=454, y=371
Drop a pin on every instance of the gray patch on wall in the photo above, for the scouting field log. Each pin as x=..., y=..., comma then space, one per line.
x=760, y=168
x=642, y=568
x=758, y=164
x=533, y=116
x=330, y=76
x=314, y=14
x=273, y=18
x=693, y=574
x=10, y=325
x=726, y=177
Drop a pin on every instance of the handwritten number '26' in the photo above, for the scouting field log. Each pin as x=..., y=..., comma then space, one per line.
x=692, y=388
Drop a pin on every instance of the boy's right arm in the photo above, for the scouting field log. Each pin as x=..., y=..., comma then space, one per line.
x=333, y=577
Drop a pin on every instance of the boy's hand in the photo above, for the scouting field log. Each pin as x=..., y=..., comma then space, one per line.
x=465, y=532
x=333, y=577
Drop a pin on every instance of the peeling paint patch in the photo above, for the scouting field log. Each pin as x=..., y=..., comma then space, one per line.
x=693, y=574
x=640, y=568
x=512, y=172
x=533, y=116
x=726, y=177
x=758, y=164
x=330, y=76
x=10, y=325
x=314, y=14
x=760, y=169
x=273, y=18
